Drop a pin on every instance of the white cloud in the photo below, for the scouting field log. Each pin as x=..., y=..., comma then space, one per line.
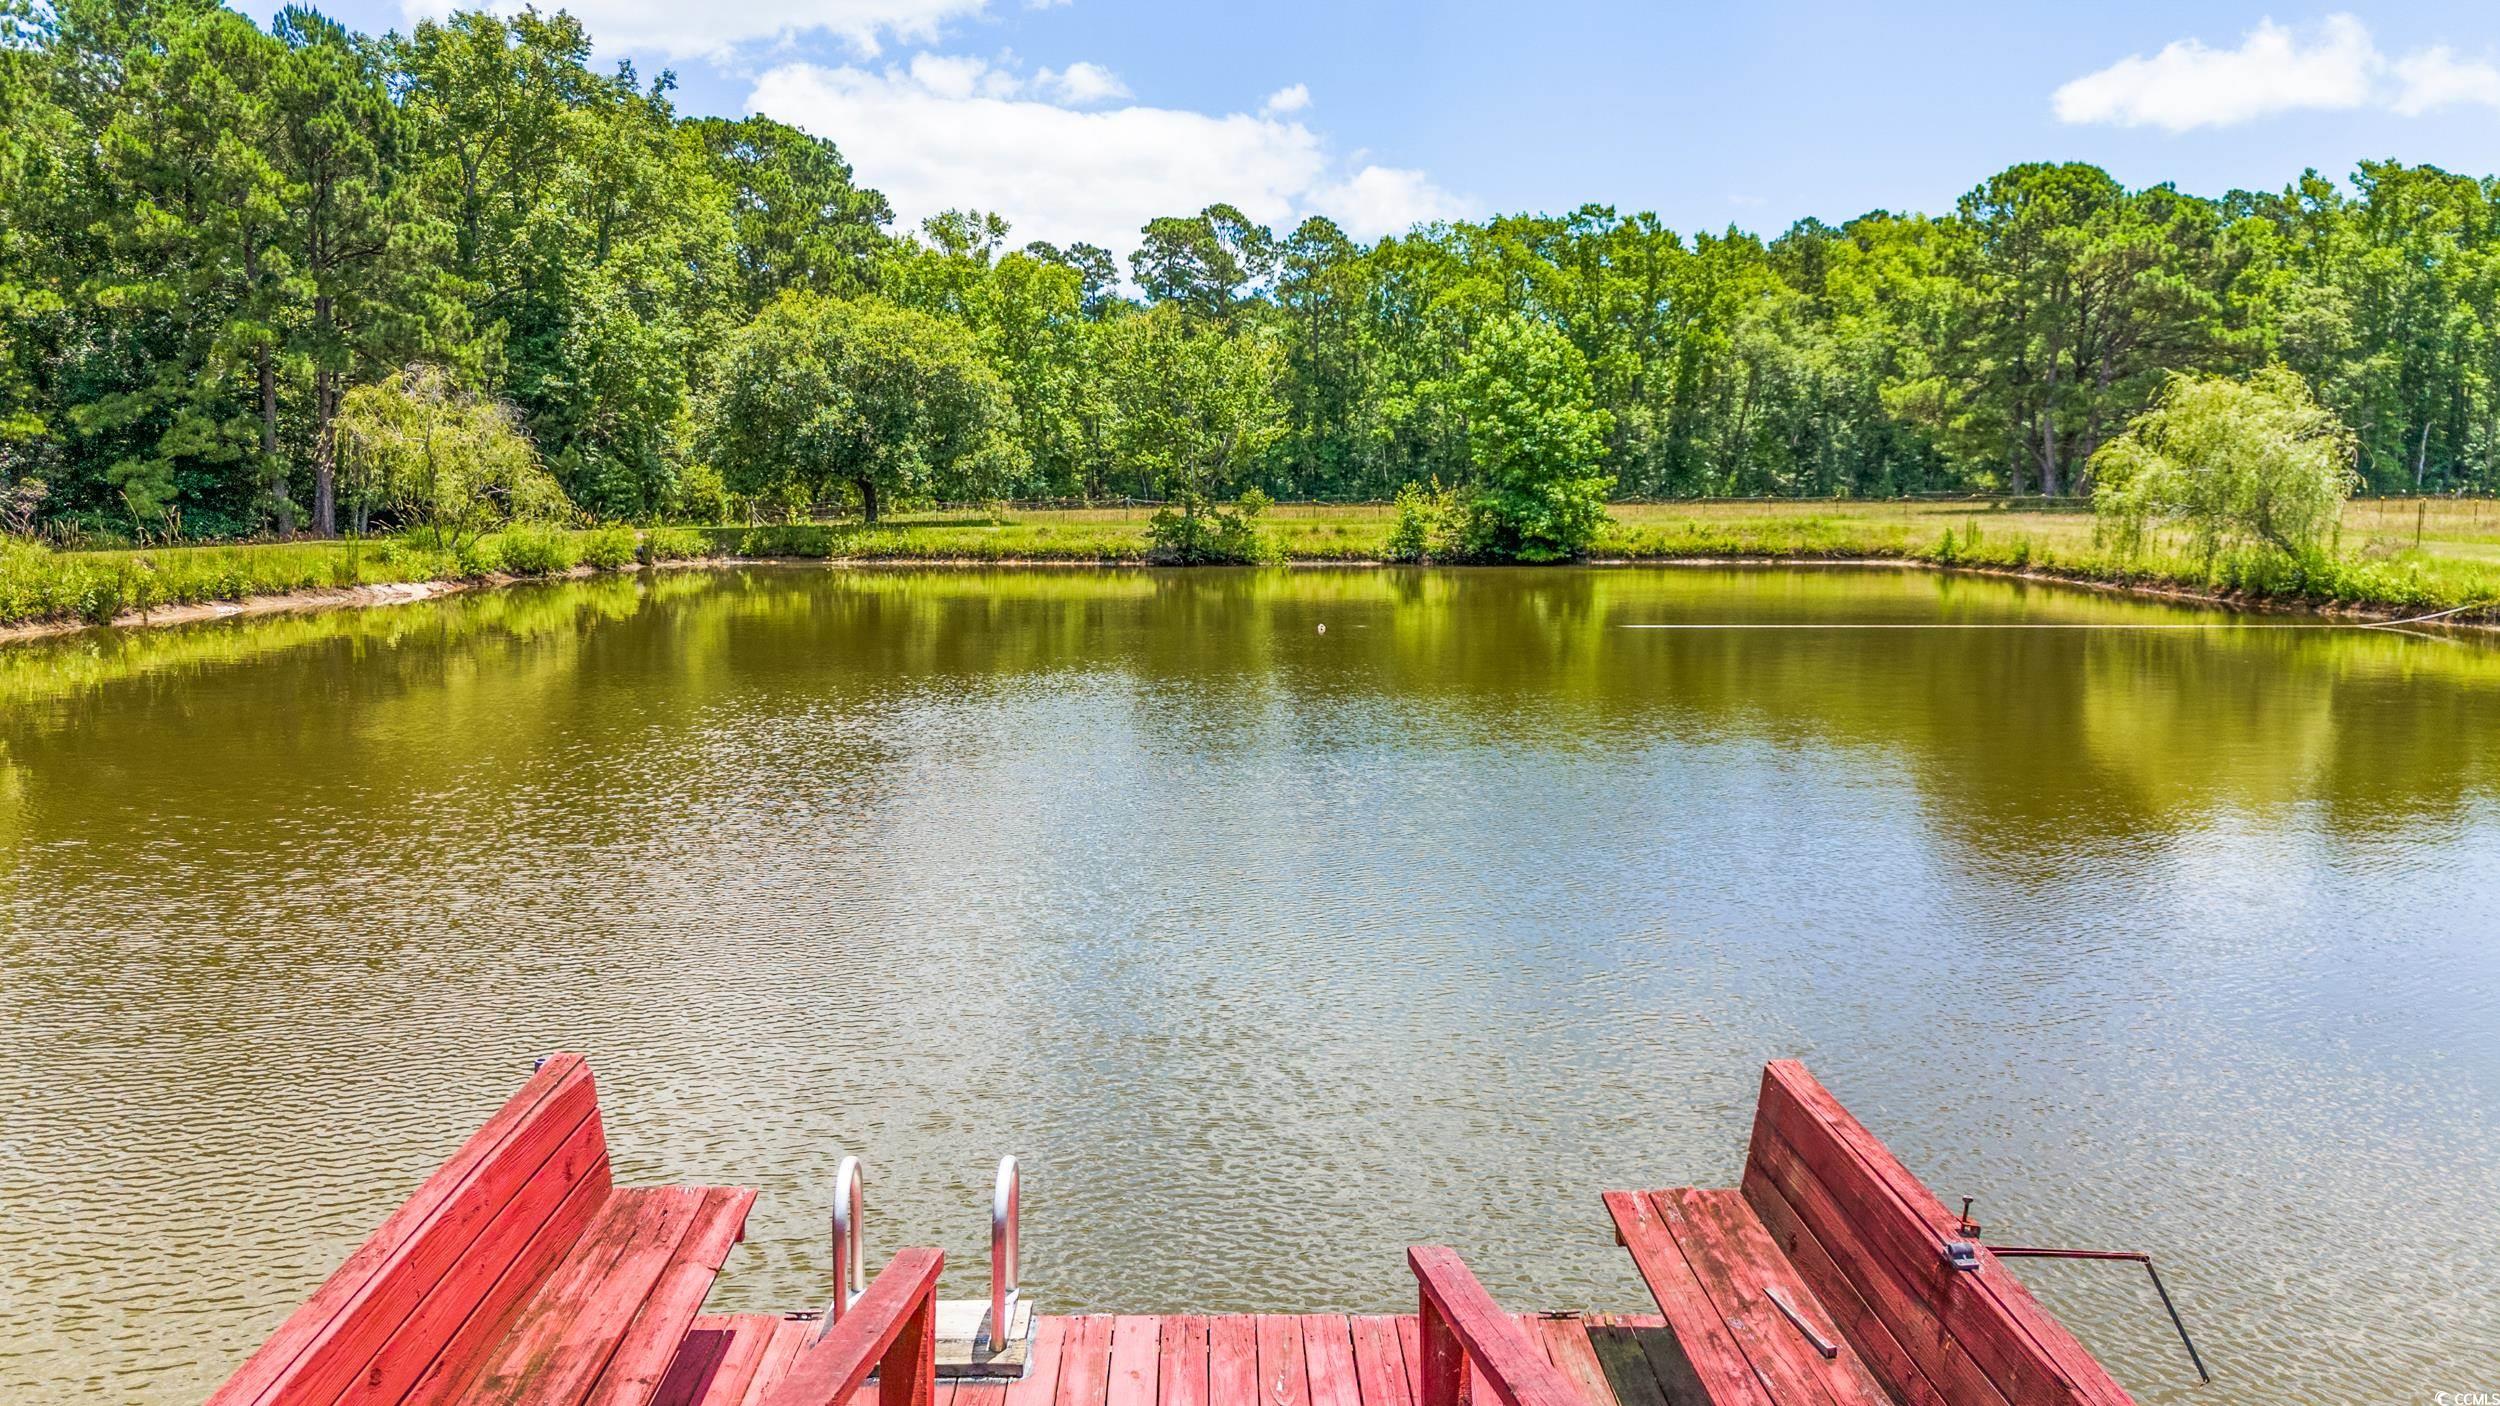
x=1080, y=83
x=680, y=30
x=1285, y=100
x=2189, y=85
x=2333, y=66
x=2436, y=77
x=1380, y=200
x=958, y=133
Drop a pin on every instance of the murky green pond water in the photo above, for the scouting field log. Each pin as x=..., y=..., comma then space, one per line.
x=1270, y=949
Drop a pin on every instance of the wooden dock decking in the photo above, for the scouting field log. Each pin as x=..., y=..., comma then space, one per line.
x=519, y=1274
x=1263, y=1359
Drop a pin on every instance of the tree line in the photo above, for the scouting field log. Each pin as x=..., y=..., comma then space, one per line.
x=212, y=234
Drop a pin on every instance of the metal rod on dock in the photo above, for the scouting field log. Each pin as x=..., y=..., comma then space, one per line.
x=2036, y=1252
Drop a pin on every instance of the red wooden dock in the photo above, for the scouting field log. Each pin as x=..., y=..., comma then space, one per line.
x=1330, y=1359
x=520, y=1275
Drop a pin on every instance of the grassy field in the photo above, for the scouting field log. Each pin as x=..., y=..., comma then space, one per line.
x=2400, y=554
x=2378, y=563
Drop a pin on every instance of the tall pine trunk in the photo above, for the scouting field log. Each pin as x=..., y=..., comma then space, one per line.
x=276, y=468
x=325, y=455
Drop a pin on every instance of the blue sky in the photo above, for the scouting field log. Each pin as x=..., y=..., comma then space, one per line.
x=1078, y=118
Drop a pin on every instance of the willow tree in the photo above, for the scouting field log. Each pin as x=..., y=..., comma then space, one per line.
x=2237, y=463
x=440, y=457
x=820, y=393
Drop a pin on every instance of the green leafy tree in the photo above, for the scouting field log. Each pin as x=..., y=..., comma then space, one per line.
x=1192, y=409
x=358, y=283
x=1535, y=436
x=444, y=460
x=819, y=393
x=2236, y=463
x=798, y=218
x=1206, y=264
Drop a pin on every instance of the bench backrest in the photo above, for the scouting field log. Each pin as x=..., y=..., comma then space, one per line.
x=1870, y=1239
x=435, y=1282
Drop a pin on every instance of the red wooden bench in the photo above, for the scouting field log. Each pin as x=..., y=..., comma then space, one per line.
x=517, y=1275
x=1826, y=1279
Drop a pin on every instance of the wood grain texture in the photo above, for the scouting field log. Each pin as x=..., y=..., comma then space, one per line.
x=892, y=1331
x=335, y=1334
x=1453, y=1306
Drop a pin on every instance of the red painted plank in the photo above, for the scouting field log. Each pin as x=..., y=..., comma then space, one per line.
x=548, y=1272
x=1567, y=1346
x=1906, y=1310
x=337, y=1330
x=2025, y=1326
x=1233, y=1360
x=566, y=1334
x=704, y=1350
x=1866, y=1329
x=472, y=1302
x=719, y=1359
x=1085, y=1361
x=1411, y=1352
x=1901, y=1265
x=789, y=1337
x=1040, y=1383
x=650, y=1340
x=1379, y=1363
x=1181, y=1371
x=892, y=1330
x=1284, y=1377
x=1328, y=1359
x=694, y=1364
x=1513, y=1366
x=1136, y=1348
x=452, y=1305
x=1782, y=1374
x=1710, y=1355
x=1740, y=1268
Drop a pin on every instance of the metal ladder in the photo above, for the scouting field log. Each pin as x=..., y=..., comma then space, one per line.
x=991, y=1347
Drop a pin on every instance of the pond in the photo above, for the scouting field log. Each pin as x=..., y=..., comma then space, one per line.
x=1277, y=920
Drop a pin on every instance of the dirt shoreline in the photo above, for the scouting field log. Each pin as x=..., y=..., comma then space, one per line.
x=410, y=592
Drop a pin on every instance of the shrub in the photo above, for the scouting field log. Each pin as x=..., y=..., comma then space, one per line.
x=1200, y=533
x=698, y=496
x=608, y=548
x=476, y=557
x=1428, y=524
x=797, y=539
x=674, y=544
x=532, y=549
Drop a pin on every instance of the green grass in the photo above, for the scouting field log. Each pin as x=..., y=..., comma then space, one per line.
x=2426, y=554
x=2378, y=563
x=39, y=585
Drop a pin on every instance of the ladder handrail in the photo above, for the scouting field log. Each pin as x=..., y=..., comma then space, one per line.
x=1006, y=1250
x=850, y=1257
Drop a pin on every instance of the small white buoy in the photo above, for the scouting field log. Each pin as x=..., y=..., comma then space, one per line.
x=1323, y=629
